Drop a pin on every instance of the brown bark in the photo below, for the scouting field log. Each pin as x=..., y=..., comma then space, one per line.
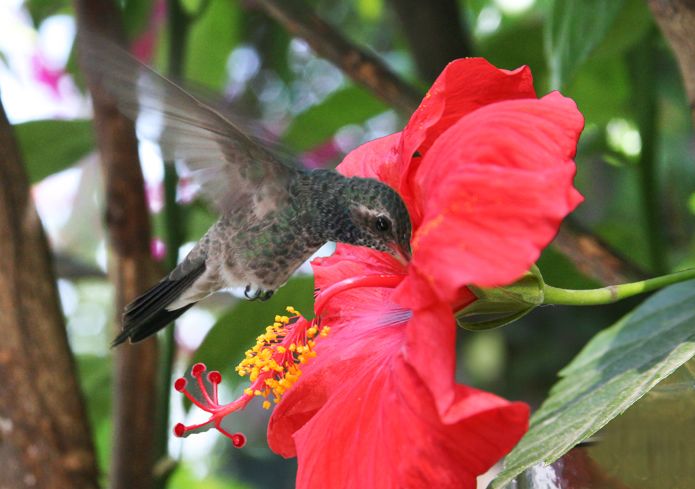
x=435, y=33
x=363, y=67
x=45, y=439
x=127, y=218
x=593, y=258
x=676, y=18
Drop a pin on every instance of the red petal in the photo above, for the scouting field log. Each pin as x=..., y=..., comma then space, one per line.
x=464, y=86
x=375, y=159
x=362, y=416
x=352, y=261
x=380, y=429
x=494, y=190
x=430, y=340
x=350, y=347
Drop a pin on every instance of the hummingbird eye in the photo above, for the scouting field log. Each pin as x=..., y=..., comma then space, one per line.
x=382, y=224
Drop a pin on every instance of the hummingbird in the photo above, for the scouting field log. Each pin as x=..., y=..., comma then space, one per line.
x=273, y=214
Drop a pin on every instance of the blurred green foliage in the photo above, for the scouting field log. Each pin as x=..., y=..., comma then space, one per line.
x=318, y=124
x=51, y=146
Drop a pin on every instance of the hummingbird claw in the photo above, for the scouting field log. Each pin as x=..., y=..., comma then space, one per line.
x=260, y=294
x=251, y=294
x=266, y=294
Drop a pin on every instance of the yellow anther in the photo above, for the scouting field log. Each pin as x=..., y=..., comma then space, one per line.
x=273, y=364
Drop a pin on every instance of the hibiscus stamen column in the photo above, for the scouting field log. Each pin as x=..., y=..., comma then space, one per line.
x=376, y=280
x=273, y=365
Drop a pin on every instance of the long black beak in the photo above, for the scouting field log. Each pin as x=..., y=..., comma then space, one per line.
x=401, y=252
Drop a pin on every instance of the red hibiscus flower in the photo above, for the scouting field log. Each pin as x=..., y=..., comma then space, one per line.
x=486, y=171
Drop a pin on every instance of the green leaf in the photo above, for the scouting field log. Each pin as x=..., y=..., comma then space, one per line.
x=370, y=10
x=50, y=146
x=236, y=331
x=573, y=31
x=350, y=105
x=518, y=44
x=211, y=39
x=629, y=27
x=617, y=367
x=588, y=89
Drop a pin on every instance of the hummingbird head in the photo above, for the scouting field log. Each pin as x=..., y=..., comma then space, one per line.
x=377, y=218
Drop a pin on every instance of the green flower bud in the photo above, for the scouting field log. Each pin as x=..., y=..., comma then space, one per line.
x=499, y=306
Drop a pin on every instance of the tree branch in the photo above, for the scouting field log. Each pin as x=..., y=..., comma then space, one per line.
x=365, y=69
x=676, y=18
x=127, y=218
x=435, y=32
x=593, y=257
x=45, y=439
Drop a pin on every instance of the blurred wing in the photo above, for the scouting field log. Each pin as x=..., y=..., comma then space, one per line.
x=232, y=169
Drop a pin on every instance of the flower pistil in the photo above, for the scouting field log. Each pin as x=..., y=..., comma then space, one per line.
x=272, y=366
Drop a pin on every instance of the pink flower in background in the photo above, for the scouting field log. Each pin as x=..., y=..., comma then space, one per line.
x=143, y=46
x=321, y=155
x=47, y=76
x=158, y=249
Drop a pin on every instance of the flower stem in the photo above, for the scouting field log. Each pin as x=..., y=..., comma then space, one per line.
x=612, y=293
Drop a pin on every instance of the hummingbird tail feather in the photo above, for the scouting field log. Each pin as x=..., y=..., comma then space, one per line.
x=141, y=331
x=148, y=313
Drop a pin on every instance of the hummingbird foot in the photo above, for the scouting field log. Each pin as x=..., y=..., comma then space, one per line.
x=259, y=293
